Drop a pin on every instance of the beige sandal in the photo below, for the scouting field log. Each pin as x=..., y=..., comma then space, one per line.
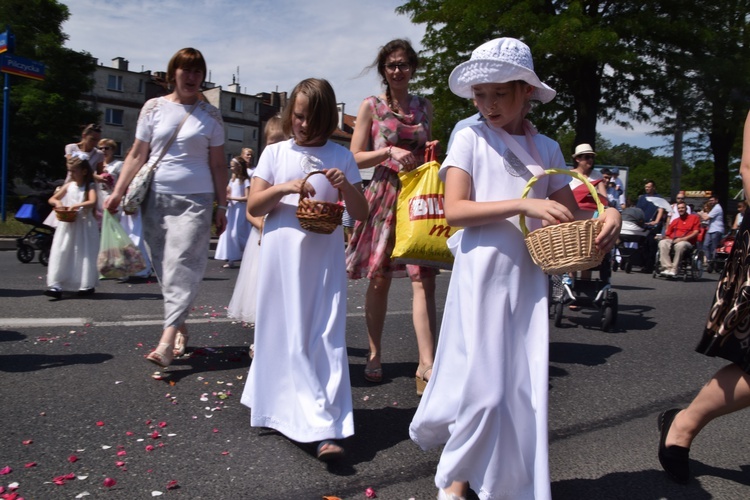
x=180, y=344
x=421, y=381
x=162, y=355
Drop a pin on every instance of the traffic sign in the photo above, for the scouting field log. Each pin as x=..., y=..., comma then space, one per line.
x=20, y=66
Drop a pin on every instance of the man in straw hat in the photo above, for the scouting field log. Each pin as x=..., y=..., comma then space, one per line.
x=496, y=324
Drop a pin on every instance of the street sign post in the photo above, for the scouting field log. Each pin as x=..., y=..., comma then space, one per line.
x=11, y=64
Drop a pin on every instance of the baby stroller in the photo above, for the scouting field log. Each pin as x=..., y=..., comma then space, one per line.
x=721, y=256
x=591, y=293
x=34, y=211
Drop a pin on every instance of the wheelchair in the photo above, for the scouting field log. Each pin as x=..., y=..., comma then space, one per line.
x=627, y=256
x=689, y=268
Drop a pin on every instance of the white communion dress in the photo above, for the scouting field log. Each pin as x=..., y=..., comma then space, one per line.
x=487, y=398
x=232, y=241
x=75, y=246
x=299, y=378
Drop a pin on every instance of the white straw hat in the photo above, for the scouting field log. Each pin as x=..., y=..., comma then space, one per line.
x=499, y=61
x=583, y=149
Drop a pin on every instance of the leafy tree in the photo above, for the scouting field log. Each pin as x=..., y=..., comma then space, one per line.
x=582, y=49
x=45, y=115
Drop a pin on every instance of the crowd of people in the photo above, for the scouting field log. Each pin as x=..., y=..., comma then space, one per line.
x=494, y=436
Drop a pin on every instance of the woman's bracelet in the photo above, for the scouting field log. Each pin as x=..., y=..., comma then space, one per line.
x=390, y=156
x=223, y=207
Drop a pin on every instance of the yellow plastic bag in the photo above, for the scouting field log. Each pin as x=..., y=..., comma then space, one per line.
x=421, y=229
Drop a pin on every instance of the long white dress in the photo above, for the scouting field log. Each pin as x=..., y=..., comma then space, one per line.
x=487, y=397
x=242, y=305
x=75, y=246
x=299, y=379
x=232, y=241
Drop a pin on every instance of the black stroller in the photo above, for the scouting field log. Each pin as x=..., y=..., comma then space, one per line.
x=34, y=211
x=586, y=293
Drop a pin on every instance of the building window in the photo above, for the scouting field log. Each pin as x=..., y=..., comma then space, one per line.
x=256, y=107
x=235, y=133
x=141, y=85
x=236, y=104
x=114, y=82
x=113, y=117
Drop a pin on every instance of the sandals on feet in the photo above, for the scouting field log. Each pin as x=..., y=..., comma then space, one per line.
x=162, y=355
x=421, y=380
x=374, y=375
x=329, y=450
x=180, y=344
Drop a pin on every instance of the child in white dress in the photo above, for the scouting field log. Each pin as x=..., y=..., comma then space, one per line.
x=234, y=238
x=242, y=305
x=75, y=245
x=487, y=399
x=299, y=380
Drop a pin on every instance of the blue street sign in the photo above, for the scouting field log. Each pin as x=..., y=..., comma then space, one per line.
x=16, y=65
x=3, y=41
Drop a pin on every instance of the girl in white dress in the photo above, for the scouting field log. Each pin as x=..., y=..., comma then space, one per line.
x=487, y=399
x=75, y=245
x=299, y=380
x=242, y=305
x=232, y=241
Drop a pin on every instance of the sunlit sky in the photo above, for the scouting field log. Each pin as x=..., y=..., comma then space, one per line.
x=265, y=46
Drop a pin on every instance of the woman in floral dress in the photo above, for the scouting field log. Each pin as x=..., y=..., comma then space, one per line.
x=391, y=133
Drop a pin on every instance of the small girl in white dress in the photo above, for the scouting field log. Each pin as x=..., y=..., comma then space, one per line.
x=232, y=241
x=242, y=305
x=75, y=245
x=486, y=401
x=299, y=380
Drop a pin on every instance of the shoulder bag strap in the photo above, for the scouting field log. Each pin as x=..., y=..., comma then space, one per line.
x=174, y=136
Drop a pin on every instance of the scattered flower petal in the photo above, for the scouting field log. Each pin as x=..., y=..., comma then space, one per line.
x=156, y=493
x=72, y=459
x=100, y=423
x=172, y=485
x=27, y=442
x=30, y=464
x=81, y=478
x=129, y=433
x=150, y=448
x=162, y=424
x=109, y=482
x=83, y=494
x=155, y=435
x=370, y=493
x=5, y=470
x=122, y=453
x=106, y=447
x=119, y=463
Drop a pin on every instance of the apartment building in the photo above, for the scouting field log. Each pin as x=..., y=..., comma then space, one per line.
x=119, y=94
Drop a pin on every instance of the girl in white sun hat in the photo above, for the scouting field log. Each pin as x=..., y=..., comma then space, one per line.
x=487, y=399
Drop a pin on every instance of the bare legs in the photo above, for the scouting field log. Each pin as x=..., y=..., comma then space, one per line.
x=458, y=488
x=423, y=315
x=726, y=392
x=376, y=305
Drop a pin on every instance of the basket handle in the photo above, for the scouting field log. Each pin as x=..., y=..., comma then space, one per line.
x=560, y=171
x=302, y=186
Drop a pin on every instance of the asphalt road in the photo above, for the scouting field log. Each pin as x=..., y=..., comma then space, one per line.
x=73, y=382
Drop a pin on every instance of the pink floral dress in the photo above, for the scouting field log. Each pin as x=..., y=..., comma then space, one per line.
x=372, y=242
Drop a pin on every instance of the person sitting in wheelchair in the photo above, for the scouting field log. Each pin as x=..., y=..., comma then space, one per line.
x=681, y=237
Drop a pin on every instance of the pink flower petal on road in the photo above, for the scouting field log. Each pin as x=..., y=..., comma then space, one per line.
x=27, y=442
x=155, y=435
x=100, y=423
x=122, y=453
x=162, y=424
x=30, y=464
x=5, y=470
x=72, y=459
x=150, y=448
x=370, y=493
x=109, y=482
x=172, y=485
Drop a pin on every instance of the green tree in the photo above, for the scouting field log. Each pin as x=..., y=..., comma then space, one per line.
x=583, y=49
x=45, y=115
